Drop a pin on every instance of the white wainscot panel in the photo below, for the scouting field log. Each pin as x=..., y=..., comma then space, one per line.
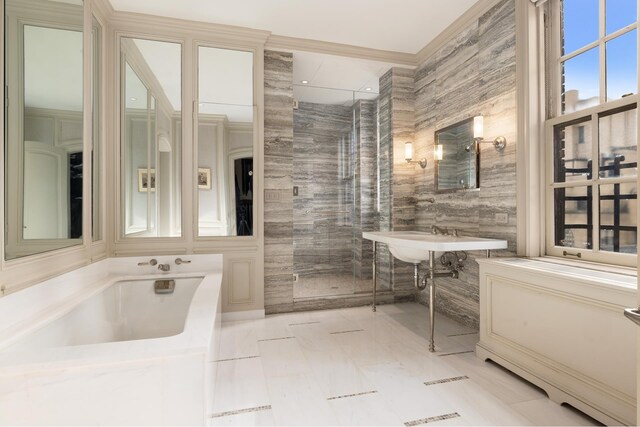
x=563, y=333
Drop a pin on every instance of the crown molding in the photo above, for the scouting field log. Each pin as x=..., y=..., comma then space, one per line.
x=275, y=42
x=102, y=8
x=185, y=27
x=477, y=10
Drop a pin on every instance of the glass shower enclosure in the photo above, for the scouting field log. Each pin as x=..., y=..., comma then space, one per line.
x=335, y=143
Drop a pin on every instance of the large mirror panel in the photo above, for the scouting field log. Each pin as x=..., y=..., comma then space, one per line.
x=151, y=138
x=457, y=158
x=225, y=135
x=44, y=131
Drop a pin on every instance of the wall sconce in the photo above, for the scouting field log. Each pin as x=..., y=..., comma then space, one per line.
x=438, y=152
x=478, y=135
x=408, y=155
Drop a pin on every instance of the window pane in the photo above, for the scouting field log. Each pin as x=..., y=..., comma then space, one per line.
x=622, y=74
x=572, y=152
x=581, y=82
x=573, y=217
x=618, y=144
x=580, y=24
x=618, y=224
x=620, y=13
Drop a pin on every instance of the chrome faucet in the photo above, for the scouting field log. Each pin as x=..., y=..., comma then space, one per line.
x=151, y=262
x=164, y=267
x=439, y=230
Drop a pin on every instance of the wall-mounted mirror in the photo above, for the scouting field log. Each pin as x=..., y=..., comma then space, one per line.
x=44, y=126
x=151, y=109
x=457, y=158
x=225, y=135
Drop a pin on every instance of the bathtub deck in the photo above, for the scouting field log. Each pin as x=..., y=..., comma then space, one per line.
x=355, y=367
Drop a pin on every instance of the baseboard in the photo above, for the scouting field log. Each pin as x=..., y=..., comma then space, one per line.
x=234, y=316
x=554, y=393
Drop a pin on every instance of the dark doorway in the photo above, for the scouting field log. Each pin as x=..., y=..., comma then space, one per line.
x=75, y=195
x=243, y=169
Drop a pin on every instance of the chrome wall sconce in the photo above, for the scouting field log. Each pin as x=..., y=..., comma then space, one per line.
x=478, y=135
x=408, y=155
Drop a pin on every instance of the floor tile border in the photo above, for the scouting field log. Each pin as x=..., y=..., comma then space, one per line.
x=241, y=411
x=352, y=395
x=446, y=380
x=275, y=339
x=235, y=358
x=346, y=332
x=431, y=419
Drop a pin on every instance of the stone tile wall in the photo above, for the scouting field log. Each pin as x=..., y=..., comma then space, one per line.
x=473, y=74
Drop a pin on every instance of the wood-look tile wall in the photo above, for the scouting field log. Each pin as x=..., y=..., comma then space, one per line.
x=473, y=74
x=278, y=177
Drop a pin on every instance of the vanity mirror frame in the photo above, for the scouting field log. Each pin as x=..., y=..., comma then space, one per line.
x=436, y=168
x=20, y=273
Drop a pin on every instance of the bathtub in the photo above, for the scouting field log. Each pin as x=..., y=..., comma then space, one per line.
x=113, y=351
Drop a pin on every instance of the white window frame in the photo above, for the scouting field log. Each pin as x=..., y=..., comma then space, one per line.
x=553, y=102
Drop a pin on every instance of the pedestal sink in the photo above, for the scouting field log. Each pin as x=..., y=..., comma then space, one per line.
x=415, y=247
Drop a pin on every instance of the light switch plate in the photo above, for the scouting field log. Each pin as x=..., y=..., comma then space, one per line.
x=502, y=218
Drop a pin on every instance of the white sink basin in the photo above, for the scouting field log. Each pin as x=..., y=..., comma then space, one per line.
x=414, y=246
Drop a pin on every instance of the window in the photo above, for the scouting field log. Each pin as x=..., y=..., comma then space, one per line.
x=591, y=127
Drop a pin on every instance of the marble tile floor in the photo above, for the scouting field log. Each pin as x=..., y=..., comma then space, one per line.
x=355, y=367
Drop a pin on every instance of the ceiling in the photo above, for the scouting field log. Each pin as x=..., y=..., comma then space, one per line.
x=335, y=79
x=395, y=25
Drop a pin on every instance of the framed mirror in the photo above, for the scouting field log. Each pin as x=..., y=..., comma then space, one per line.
x=44, y=134
x=457, y=158
x=151, y=143
x=225, y=141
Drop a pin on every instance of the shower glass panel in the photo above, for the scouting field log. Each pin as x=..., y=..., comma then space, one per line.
x=334, y=143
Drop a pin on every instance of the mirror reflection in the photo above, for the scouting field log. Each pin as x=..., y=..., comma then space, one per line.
x=225, y=142
x=151, y=143
x=44, y=132
x=457, y=158
x=96, y=87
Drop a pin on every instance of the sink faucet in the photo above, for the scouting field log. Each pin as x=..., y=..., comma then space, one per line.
x=164, y=267
x=439, y=230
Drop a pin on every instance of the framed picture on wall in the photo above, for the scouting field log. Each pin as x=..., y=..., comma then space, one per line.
x=204, y=178
x=146, y=181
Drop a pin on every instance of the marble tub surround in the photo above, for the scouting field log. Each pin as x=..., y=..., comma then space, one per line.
x=112, y=382
x=355, y=367
x=473, y=74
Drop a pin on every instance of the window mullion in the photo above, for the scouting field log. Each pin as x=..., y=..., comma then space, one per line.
x=602, y=53
x=595, y=171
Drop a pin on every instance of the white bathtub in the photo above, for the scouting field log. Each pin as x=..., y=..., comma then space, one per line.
x=113, y=351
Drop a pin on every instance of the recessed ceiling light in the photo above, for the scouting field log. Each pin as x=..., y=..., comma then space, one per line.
x=304, y=82
x=133, y=99
x=368, y=89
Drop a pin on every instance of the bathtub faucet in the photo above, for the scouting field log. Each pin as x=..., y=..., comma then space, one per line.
x=164, y=267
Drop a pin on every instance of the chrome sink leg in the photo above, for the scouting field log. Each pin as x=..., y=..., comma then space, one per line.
x=432, y=299
x=375, y=247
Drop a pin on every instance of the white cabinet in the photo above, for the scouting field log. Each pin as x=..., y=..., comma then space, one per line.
x=562, y=328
